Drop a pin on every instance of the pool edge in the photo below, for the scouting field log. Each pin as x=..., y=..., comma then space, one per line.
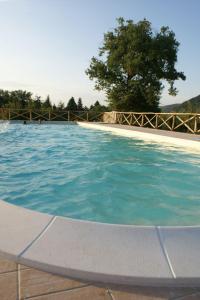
x=183, y=143
x=99, y=252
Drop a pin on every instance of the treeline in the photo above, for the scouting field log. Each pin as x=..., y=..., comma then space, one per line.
x=20, y=99
x=190, y=106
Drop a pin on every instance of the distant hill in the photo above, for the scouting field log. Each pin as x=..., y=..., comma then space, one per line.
x=191, y=105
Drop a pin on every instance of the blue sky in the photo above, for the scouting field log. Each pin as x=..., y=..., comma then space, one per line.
x=46, y=45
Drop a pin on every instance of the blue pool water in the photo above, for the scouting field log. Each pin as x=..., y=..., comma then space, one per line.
x=93, y=175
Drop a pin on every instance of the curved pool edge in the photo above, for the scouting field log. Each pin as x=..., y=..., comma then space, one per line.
x=185, y=141
x=99, y=252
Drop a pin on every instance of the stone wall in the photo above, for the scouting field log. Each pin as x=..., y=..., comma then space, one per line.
x=109, y=117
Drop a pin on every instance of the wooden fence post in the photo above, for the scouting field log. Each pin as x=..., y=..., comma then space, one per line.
x=30, y=115
x=156, y=120
x=195, y=124
x=173, y=121
x=142, y=123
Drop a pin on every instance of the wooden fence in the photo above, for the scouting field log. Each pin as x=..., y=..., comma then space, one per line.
x=49, y=115
x=184, y=122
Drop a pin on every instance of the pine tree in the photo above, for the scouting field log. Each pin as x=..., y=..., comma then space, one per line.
x=71, y=105
x=80, y=105
x=47, y=103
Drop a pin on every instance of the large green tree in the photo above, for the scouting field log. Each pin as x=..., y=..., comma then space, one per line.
x=133, y=63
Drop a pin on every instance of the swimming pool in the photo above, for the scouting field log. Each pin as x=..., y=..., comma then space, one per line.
x=93, y=175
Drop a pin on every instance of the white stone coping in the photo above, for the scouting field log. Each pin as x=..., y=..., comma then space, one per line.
x=186, y=142
x=99, y=252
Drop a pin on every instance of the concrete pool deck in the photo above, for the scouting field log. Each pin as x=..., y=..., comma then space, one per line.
x=19, y=282
x=98, y=252
x=183, y=141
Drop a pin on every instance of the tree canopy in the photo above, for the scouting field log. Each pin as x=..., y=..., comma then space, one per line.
x=133, y=63
x=20, y=99
x=98, y=108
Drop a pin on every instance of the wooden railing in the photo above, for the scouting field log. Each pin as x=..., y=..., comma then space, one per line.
x=184, y=122
x=49, y=115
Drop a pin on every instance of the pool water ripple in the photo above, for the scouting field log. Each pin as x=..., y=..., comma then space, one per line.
x=87, y=174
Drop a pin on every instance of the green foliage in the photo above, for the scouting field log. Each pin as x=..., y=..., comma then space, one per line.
x=98, y=108
x=80, y=105
x=22, y=99
x=47, y=103
x=71, y=104
x=132, y=64
x=37, y=103
x=61, y=105
x=190, y=106
x=15, y=99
